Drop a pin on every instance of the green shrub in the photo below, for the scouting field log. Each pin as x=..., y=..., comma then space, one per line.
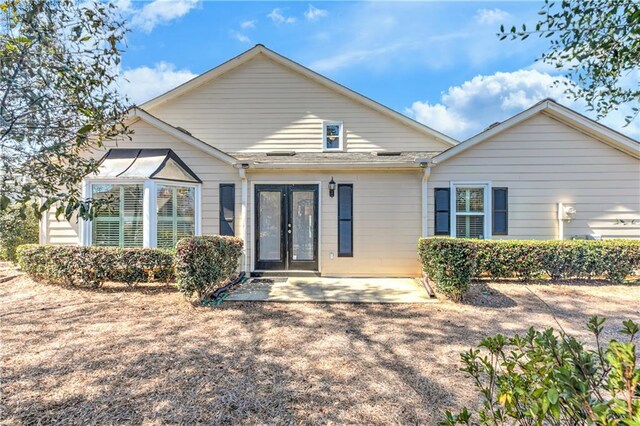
x=16, y=228
x=549, y=378
x=452, y=263
x=205, y=263
x=92, y=266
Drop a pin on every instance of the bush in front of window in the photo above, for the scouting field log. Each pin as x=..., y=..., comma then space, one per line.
x=205, y=263
x=451, y=263
x=92, y=266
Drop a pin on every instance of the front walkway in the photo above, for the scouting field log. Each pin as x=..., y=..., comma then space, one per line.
x=323, y=289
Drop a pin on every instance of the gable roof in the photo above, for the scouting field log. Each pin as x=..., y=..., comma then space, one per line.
x=561, y=113
x=137, y=113
x=259, y=49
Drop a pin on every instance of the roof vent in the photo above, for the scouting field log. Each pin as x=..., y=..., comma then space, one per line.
x=281, y=154
x=388, y=154
x=491, y=126
x=183, y=130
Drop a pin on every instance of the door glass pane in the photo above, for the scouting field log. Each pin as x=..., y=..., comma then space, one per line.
x=302, y=223
x=470, y=226
x=270, y=216
x=470, y=200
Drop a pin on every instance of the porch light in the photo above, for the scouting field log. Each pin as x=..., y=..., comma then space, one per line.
x=332, y=187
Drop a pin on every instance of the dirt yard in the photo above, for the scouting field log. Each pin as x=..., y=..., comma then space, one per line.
x=148, y=357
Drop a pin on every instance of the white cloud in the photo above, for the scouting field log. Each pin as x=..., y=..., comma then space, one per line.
x=156, y=12
x=467, y=109
x=491, y=16
x=240, y=37
x=248, y=24
x=143, y=83
x=278, y=18
x=313, y=13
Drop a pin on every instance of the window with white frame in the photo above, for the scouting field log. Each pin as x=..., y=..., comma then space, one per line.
x=119, y=222
x=470, y=211
x=332, y=136
x=176, y=206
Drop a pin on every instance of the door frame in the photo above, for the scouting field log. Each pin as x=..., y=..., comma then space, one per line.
x=252, y=216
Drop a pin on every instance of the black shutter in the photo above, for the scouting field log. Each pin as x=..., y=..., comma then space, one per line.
x=345, y=220
x=500, y=211
x=227, y=208
x=442, y=222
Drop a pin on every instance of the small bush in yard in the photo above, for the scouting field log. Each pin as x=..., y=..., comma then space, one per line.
x=452, y=263
x=549, y=378
x=205, y=263
x=92, y=266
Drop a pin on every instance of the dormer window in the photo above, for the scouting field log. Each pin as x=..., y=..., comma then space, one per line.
x=332, y=136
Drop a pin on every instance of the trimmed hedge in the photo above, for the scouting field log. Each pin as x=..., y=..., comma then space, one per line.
x=17, y=227
x=92, y=266
x=204, y=263
x=452, y=263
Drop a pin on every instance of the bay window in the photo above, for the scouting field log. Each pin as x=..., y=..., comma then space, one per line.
x=153, y=200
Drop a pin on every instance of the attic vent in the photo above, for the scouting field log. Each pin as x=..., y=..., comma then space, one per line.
x=387, y=154
x=281, y=154
x=183, y=130
x=491, y=126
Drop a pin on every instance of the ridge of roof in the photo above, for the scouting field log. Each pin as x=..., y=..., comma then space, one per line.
x=260, y=49
x=559, y=112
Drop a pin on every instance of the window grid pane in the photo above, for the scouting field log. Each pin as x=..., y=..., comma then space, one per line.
x=470, y=200
x=120, y=223
x=470, y=226
x=176, y=214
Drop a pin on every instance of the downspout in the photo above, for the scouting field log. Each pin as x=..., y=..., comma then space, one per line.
x=243, y=217
x=425, y=195
x=560, y=222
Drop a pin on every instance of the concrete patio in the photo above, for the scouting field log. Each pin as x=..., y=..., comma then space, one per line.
x=324, y=289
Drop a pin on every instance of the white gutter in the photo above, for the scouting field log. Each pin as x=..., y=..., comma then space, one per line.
x=425, y=196
x=243, y=218
x=333, y=166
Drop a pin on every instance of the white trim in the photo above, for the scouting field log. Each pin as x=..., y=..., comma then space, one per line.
x=288, y=63
x=340, y=136
x=559, y=112
x=149, y=206
x=150, y=214
x=43, y=231
x=182, y=136
x=487, y=186
x=253, y=221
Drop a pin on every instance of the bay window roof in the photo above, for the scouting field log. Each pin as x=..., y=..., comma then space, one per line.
x=122, y=163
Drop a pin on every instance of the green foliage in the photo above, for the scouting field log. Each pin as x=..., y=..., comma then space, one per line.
x=16, y=227
x=550, y=378
x=92, y=266
x=597, y=44
x=205, y=263
x=452, y=263
x=58, y=73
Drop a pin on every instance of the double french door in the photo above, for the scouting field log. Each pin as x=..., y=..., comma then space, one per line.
x=286, y=227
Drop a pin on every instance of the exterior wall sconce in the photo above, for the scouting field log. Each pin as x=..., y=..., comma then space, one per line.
x=332, y=187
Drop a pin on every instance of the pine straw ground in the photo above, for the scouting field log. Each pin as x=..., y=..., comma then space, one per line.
x=146, y=356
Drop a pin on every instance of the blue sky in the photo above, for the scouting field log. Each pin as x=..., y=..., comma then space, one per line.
x=438, y=62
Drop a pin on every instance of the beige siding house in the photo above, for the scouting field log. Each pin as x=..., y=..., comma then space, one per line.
x=319, y=179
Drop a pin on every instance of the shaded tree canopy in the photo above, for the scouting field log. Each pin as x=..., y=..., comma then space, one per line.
x=596, y=43
x=59, y=64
